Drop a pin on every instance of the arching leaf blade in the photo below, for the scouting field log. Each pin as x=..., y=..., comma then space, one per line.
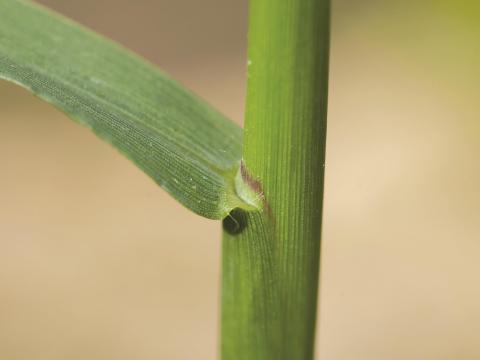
x=187, y=147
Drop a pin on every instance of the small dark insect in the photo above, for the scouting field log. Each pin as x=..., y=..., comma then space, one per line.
x=235, y=222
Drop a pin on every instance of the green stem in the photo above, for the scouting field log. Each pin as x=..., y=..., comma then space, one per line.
x=271, y=256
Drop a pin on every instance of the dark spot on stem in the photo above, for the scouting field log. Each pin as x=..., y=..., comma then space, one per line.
x=256, y=186
x=235, y=222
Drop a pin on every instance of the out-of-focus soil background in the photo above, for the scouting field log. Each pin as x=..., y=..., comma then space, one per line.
x=97, y=262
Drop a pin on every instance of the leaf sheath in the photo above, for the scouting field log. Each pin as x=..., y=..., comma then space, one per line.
x=270, y=269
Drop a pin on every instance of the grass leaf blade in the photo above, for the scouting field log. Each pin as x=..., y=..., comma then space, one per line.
x=187, y=147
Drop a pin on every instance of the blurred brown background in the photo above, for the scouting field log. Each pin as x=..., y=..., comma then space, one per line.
x=96, y=262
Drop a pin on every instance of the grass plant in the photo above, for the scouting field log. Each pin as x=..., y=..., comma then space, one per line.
x=265, y=183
